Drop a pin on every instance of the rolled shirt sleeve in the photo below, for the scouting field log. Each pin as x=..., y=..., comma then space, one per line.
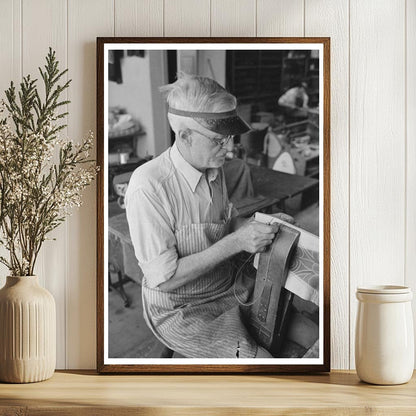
x=151, y=231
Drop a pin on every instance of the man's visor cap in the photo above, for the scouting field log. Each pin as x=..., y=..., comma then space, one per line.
x=226, y=123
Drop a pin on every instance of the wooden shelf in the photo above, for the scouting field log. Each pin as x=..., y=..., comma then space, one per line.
x=252, y=73
x=86, y=393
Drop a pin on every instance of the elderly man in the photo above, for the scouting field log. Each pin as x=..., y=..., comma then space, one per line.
x=185, y=231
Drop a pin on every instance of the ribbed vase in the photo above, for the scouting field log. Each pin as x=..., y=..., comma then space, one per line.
x=27, y=331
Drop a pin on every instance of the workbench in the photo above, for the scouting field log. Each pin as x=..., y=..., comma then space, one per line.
x=86, y=393
x=280, y=185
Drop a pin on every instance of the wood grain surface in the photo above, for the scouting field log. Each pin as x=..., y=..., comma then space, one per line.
x=83, y=392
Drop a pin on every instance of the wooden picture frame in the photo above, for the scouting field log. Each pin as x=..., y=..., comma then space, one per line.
x=261, y=63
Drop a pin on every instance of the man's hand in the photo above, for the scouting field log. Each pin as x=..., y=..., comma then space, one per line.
x=255, y=236
x=284, y=217
x=252, y=236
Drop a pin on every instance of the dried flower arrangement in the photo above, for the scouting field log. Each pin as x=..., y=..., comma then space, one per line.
x=42, y=176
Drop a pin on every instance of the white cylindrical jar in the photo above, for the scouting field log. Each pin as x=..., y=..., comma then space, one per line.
x=384, y=337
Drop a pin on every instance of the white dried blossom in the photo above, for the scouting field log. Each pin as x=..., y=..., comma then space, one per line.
x=42, y=176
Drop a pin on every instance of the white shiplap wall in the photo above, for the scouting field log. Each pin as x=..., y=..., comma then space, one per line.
x=373, y=132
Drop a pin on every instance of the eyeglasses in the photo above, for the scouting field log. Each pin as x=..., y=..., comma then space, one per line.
x=219, y=141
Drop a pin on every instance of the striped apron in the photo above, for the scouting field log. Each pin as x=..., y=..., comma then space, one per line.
x=201, y=319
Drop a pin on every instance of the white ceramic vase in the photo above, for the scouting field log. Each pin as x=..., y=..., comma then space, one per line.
x=384, y=341
x=27, y=331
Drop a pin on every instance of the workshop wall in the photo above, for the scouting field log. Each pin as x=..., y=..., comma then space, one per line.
x=373, y=132
x=134, y=94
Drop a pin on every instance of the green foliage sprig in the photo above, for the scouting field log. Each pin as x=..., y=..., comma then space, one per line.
x=41, y=175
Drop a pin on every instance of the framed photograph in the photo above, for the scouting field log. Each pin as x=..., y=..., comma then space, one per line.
x=213, y=219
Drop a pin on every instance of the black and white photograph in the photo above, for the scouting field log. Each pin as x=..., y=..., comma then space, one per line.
x=214, y=221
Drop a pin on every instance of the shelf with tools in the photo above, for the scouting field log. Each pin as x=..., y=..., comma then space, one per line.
x=260, y=77
x=254, y=76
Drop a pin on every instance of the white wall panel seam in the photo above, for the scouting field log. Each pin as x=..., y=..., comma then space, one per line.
x=10, y=69
x=410, y=148
x=330, y=18
x=349, y=185
x=378, y=183
x=43, y=27
x=405, y=139
x=66, y=233
x=210, y=17
x=304, y=17
x=405, y=146
x=87, y=20
x=67, y=249
x=21, y=39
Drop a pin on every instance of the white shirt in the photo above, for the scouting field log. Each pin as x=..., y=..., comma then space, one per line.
x=164, y=195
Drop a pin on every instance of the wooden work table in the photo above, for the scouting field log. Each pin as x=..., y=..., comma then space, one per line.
x=279, y=185
x=86, y=393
